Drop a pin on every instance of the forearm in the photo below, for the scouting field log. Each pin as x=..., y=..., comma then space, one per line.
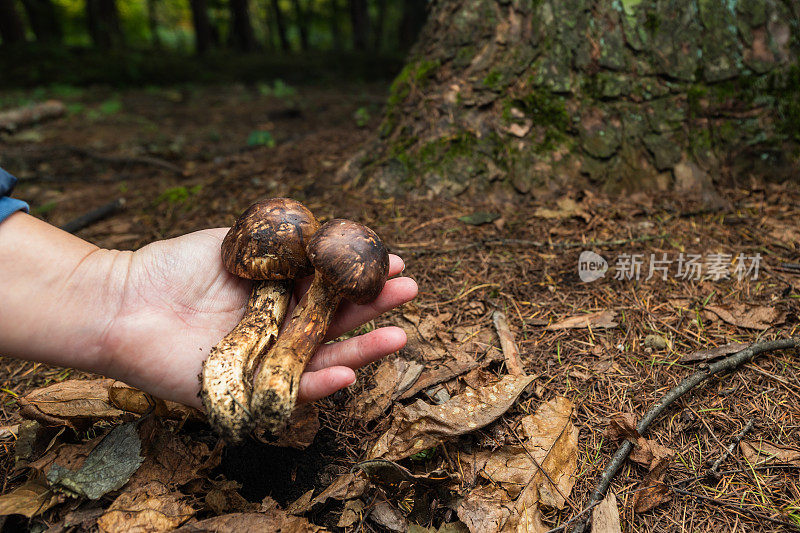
x=58, y=294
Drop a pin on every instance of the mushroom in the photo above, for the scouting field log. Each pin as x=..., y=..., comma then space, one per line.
x=267, y=242
x=350, y=261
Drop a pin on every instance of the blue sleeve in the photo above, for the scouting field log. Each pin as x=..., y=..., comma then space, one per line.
x=9, y=206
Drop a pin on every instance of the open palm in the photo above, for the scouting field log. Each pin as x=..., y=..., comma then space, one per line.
x=179, y=301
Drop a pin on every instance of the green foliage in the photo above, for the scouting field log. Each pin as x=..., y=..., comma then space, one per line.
x=179, y=196
x=260, y=138
x=362, y=117
x=279, y=89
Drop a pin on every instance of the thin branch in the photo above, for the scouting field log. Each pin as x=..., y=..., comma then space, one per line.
x=726, y=365
x=713, y=471
x=95, y=215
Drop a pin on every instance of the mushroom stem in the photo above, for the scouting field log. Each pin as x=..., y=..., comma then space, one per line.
x=276, y=384
x=228, y=371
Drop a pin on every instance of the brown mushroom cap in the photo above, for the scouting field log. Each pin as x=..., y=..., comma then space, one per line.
x=351, y=257
x=268, y=241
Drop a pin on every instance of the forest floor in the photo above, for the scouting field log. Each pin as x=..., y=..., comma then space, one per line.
x=611, y=347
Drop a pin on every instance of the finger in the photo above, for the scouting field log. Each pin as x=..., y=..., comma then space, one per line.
x=396, y=292
x=396, y=266
x=316, y=385
x=359, y=351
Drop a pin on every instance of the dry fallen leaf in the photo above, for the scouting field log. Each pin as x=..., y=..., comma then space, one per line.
x=351, y=514
x=270, y=519
x=605, y=516
x=759, y=453
x=653, y=491
x=710, y=354
x=567, y=208
x=299, y=433
x=646, y=452
x=514, y=503
x=750, y=317
x=387, y=516
x=599, y=319
x=30, y=499
x=152, y=507
x=69, y=402
x=107, y=467
x=129, y=399
x=420, y=425
x=392, y=377
x=345, y=487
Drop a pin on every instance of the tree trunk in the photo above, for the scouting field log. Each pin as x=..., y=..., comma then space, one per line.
x=242, y=34
x=414, y=12
x=44, y=20
x=335, y=20
x=152, y=23
x=280, y=25
x=203, y=34
x=359, y=19
x=653, y=95
x=11, y=28
x=380, y=19
x=302, y=18
x=102, y=19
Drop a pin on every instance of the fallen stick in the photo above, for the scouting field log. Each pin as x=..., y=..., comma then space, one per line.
x=729, y=364
x=510, y=351
x=22, y=117
x=95, y=215
x=124, y=160
x=714, y=470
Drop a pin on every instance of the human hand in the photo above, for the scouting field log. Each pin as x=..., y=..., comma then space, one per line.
x=178, y=301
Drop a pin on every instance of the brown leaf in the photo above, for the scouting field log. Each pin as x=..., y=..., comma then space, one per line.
x=239, y=522
x=127, y=398
x=750, y=317
x=392, y=377
x=767, y=453
x=152, y=507
x=351, y=514
x=9, y=432
x=225, y=497
x=567, y=208
x=30, y=499
x=605, y=516
x=599, y=319
x=345, y=487
x=653, y=491
x=420, y=425
x=646, y=452
x=710, y=354
x=69, y=402
x=485, y=509
x=384, y=514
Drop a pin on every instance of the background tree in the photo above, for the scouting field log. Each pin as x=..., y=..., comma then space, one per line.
x=203, y=33
x=102, y=19
x=280, y=25
x=654, y=95
x=242, y=35
x=43, y=17
x=359, y=20
x=11, y=28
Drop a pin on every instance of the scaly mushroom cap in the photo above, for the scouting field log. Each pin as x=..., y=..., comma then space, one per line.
x=351, y=257
x=268, y=241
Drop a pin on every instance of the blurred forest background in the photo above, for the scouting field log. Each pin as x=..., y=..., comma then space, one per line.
x=134, y=41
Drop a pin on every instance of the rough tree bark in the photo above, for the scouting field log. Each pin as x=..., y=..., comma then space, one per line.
x=303, y=18
x=638, y=94
x=11, y=28
x=242, y=35
x=44, y=20
x=203, y=33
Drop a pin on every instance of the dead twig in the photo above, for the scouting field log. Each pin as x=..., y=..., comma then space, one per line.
x=713, y=471
x=726, y=365
x=510, y=351
x=95, y=215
